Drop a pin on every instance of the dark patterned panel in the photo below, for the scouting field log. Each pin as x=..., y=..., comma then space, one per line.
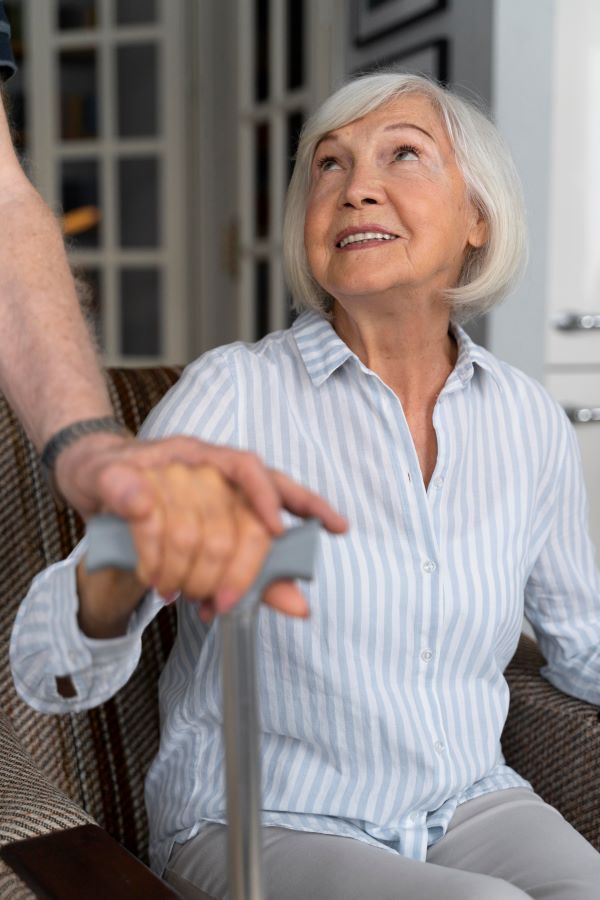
x=554, y=741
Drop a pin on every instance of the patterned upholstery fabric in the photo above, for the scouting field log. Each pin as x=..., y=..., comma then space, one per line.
x=554, y=741
x=99, y=759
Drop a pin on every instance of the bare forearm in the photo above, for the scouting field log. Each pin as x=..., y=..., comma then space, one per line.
x=48, y=366
x=107, y=600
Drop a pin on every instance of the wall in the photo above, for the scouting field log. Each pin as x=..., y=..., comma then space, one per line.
x=467, y=27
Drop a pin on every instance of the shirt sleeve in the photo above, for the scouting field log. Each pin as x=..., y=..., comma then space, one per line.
x=562, y=596
x=7, y=62
x=46, y=642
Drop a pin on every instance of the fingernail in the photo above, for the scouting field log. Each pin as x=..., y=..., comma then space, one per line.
x=171, y=598
x=205, y=614
x=225, y=599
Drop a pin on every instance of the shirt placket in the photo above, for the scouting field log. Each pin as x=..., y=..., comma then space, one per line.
x=428, y=568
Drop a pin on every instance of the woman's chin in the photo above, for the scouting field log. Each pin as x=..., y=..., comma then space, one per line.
x=368, y=290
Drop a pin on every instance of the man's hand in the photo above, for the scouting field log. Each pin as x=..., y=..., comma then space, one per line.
x=104, y=472
x=202, y=518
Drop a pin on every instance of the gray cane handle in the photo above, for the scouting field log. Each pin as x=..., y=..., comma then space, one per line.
x=110, y=545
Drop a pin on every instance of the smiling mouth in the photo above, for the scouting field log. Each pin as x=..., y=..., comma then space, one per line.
x=361, y=237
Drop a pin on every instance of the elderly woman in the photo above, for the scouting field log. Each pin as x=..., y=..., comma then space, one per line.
x=383, y=775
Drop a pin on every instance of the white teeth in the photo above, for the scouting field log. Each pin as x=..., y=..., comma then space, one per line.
x=366, y=236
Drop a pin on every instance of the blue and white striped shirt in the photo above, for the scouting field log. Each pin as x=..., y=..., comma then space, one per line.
x=384, y=710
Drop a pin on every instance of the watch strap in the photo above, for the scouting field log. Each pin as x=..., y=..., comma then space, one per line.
x=72, y=433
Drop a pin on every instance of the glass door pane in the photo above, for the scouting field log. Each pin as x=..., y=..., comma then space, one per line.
x=137, y=77
x=136, y=12
x=78, y=94
x=76, y=14
x=295, y=44
x=140, y=312
x=80, y=193
x=138, y=199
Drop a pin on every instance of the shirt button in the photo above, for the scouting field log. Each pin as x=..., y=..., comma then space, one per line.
x=438, y=482
x=426, y=655
x=439, y=747
x=429, y=566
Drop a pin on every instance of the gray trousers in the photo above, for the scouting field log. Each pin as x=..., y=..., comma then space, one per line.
x=505, y=845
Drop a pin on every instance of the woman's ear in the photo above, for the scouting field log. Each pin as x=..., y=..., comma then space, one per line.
x=479, y=233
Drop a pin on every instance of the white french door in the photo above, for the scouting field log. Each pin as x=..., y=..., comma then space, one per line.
x=290, y=55
x=107, y=150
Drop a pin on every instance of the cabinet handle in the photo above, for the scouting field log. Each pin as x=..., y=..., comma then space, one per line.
x=573, y=321
x=582, y=415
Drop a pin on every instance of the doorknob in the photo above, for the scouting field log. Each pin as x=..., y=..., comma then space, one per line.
x=576, y=321
x=581, y=415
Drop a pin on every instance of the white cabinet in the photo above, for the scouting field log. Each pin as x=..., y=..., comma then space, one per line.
x=572, y=356
x=546, y=89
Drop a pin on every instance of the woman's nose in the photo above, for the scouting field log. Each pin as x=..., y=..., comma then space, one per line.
x=362, y=188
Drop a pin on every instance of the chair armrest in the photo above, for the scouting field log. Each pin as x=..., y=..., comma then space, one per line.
x=83, y=862
x=29, y=804
x=553, y=740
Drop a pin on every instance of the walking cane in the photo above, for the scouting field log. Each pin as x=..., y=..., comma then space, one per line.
x=292, y=556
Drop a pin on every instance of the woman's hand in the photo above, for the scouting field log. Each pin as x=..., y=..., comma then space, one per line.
x=203, y=539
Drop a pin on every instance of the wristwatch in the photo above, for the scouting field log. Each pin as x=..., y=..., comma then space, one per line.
x=69, y=435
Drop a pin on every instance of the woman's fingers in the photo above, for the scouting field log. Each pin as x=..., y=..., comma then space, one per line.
x=218, y=502
x=204, y=538
x=148, y=533
x=253, y=543
x=283, y=596
x=286, y=597
x=182, y=523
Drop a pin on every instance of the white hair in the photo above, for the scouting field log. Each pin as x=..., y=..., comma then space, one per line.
x=486, y=165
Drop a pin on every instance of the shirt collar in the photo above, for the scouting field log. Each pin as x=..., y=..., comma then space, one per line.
x=323, y=351
x=471, y=354
x=319, y=346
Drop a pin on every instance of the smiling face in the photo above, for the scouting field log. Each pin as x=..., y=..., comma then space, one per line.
x=388, y=211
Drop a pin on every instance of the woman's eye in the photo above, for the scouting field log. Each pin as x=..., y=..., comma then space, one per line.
x=327, y=163
x=406, y=153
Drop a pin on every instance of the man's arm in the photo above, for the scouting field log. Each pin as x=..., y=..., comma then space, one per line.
x=48, y=366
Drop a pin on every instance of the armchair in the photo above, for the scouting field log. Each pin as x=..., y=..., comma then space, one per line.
x=60, y=771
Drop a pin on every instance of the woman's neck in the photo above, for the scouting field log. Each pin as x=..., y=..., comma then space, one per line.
x=412, y=350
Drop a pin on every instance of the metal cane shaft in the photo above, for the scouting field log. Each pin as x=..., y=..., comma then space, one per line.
x=242, y=754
